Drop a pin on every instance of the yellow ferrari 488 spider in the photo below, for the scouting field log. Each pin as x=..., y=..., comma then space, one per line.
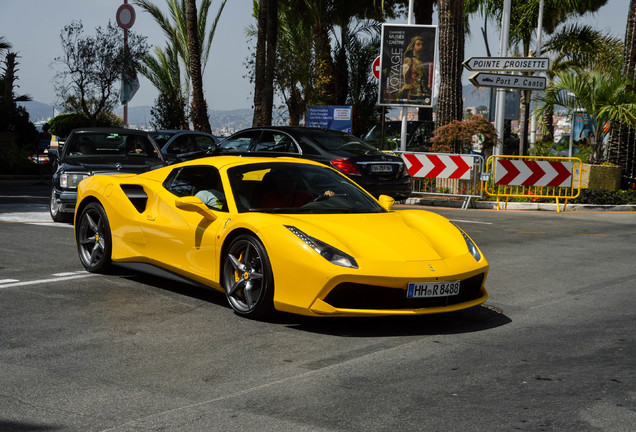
x=279, y=234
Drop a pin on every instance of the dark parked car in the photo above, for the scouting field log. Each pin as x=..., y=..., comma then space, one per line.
x=377, y=172
x=418, y=135
x=90, y=151
x=183, y=144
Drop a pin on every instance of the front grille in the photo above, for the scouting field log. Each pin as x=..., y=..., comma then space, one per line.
x=360, y=296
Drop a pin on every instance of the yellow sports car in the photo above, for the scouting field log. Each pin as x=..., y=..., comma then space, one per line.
x=280, y=234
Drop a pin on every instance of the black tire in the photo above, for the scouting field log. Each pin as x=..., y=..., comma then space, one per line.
x=55, y=209
x=94, y=242
x=247, y=278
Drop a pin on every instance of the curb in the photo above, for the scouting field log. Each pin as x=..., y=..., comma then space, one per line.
x=492, y=205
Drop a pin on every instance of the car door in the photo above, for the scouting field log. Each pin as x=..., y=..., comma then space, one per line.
x=181, y=240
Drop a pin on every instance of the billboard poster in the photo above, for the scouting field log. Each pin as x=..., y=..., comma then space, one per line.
x=336, y=117
x=407, y=65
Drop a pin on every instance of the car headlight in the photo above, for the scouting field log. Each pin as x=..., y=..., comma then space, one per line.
x=326, y=251
x=472, y=247
x=71, y=180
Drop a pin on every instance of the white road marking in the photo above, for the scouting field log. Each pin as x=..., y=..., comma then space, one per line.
x=75, y=275
x=3, y=281
x=473, y=222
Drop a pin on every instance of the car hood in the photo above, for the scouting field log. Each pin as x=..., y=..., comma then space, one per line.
x=133, y=165
x=406, y=235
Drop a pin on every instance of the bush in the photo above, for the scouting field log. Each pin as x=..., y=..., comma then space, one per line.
x=605, y=197
x=63, y=124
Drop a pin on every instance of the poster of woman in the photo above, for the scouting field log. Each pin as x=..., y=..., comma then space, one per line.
x=407, y=65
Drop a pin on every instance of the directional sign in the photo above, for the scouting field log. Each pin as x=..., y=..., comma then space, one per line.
x=483, y=79
x=533, y=173
x=521, y=64
x=439, y=166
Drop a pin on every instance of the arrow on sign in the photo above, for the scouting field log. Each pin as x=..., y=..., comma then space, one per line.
x=482, y=79
x=522, y=64
x=533, y=173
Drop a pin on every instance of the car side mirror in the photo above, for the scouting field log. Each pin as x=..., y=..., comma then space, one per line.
x=386, y=202
x=194, y=204
x=54, y=154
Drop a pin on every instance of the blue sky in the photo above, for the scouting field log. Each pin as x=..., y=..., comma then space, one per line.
x=33, y=28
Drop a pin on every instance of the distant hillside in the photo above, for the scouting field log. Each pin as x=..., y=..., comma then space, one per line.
x=222, y=122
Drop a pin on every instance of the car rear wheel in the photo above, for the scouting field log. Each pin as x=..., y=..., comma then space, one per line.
x=94, y=243
x=247, y=278
x=55, y=209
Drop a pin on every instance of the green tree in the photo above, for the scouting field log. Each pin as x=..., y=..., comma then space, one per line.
x=14, y=118
x=575, y=48
x=92, y=65
x=523, y=23
x=605, y=97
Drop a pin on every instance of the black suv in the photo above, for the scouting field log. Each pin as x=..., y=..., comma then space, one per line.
x=92, y=151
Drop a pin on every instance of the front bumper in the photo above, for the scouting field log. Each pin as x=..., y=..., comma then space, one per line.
x=66, y=199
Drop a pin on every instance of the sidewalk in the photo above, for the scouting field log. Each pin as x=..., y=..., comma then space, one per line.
x=528, y=206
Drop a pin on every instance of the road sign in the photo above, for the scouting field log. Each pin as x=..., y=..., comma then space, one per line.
x=439, y=166
x=533, y=173
x=519, y=64
x=125, y=16
x=482, y=79
x=376, y=68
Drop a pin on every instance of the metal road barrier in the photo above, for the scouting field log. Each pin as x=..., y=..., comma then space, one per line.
x=456, y=175
x=534, y=177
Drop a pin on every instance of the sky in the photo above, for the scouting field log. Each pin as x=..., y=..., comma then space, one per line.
x=33, y=28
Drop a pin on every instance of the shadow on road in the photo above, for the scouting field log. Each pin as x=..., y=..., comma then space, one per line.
x=478, y=318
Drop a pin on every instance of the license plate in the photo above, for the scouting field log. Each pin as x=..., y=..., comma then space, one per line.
x=381, y=168
x=432, y=289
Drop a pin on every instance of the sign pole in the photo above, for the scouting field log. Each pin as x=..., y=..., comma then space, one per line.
x=501, y=93
x=125, y=47
x=405, y=111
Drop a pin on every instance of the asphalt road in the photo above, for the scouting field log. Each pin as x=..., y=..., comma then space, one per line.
x=553, y=349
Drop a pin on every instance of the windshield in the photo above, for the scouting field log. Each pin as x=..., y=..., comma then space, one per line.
x=109, y=144
x=279, y=187
x=161, y=137
x=334, y=141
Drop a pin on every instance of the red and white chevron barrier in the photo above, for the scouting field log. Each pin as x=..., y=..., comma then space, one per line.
x=439, y=165
x=533, y=173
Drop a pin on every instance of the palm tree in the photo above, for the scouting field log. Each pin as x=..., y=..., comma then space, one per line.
x=4, y=44
x=293, y=73
x=174, y=26
x=622, y=149
x=575, y=48
x=164, y=73
x=605, y=97
x=524, y=17
x=451, y=56
x=198, y=106
x=267, y=34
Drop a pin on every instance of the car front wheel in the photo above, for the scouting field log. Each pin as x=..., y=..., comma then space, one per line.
x=94, y=243
x=247, y=278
